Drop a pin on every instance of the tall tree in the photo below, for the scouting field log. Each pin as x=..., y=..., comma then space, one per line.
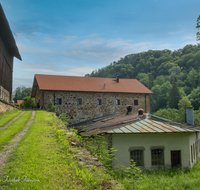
x=174, y=96
x=21, y=92
x=198, y=26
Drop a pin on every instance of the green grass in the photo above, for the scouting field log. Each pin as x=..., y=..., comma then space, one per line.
x=44, y=155
x=8, y=116
x=173, y=179
x=7, y=134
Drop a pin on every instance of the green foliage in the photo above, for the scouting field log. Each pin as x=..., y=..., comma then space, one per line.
x=174, y=96
x=179, y=114
x=21, y=92
x=27, y=102
x=194, y=97
x=52, y=107
x=156, y=67
x=98, y=147
x=198, y=26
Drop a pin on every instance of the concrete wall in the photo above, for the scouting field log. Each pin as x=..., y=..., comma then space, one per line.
x=89, y=108
x=170, y=141
x=4, y=106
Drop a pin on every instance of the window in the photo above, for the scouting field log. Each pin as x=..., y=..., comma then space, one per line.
x=135, y=102
x=79, y=101
x=98, y=101
x=157, y=156
x=59, y=101
x=137, y=157
x=117, y=102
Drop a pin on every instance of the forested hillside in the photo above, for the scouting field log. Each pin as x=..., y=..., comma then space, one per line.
x=170, y=75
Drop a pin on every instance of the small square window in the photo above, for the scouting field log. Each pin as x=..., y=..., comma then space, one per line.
x=98, y=101
x=135, y=102
x=79, y=101
x=59, y=101
x=117, y=102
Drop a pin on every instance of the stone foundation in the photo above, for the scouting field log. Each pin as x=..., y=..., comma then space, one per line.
x=4, y=94
x=5, y=106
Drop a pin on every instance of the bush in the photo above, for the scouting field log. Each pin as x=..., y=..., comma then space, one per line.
x=27, y=102
x=52, y=107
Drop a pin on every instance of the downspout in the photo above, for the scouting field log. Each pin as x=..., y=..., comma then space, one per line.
x=145, y=104
x=196, y=144
x=43, y=99
x=54, y=98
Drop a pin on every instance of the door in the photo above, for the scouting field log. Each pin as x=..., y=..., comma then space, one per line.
x=175, y=158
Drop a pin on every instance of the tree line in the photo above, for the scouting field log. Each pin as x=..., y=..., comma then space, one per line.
x=170, y=75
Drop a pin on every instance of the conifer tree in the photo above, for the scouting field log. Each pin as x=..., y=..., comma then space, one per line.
x=174, y=96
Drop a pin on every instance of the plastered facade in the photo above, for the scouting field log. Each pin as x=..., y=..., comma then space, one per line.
x=169, y=141
x=89, y=108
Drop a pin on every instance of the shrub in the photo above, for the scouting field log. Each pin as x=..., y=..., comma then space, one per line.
x=27, y=102
x=52, y=107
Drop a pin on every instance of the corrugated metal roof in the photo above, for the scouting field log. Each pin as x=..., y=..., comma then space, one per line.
x=7, y=36
x=88, y=84
x=150, y=126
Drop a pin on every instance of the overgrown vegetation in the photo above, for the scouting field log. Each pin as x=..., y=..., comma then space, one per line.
x=28, y=102
x=8, y=116
x=175, y=179
x=45, y=157
x=161, y=71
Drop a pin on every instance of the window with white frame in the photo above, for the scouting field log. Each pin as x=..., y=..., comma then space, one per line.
x=157, y=156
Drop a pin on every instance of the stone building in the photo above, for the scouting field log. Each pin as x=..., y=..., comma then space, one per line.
x=8, y=50
x=84, y=98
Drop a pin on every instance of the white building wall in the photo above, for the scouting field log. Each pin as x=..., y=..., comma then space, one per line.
x=170, y=141
x=194, y=146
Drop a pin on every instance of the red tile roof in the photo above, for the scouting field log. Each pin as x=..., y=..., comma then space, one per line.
x=89, y=84
x=19, y=101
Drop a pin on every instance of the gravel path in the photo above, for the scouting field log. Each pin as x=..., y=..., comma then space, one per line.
x=8, y=149
x=2, y=128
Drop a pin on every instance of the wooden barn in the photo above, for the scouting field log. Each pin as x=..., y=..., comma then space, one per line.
x=8, y=50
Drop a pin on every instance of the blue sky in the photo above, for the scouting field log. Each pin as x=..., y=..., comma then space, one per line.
x=75, y=37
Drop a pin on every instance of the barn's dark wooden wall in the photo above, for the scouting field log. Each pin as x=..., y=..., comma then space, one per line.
x=8, y=50
x=5, y=73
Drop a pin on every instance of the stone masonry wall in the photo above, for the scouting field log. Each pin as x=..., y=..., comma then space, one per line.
x=89, y=108
x=4, y=106
x=4, y=94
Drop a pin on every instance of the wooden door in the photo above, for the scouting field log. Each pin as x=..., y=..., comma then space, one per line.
x=175, y=158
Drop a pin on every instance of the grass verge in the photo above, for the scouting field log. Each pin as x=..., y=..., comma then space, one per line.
x=7, y=134
x=8, y=116
x=173, y=179
x=44, y=160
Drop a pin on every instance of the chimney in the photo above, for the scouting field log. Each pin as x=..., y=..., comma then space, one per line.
x=117, y=78
x=189, y=114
